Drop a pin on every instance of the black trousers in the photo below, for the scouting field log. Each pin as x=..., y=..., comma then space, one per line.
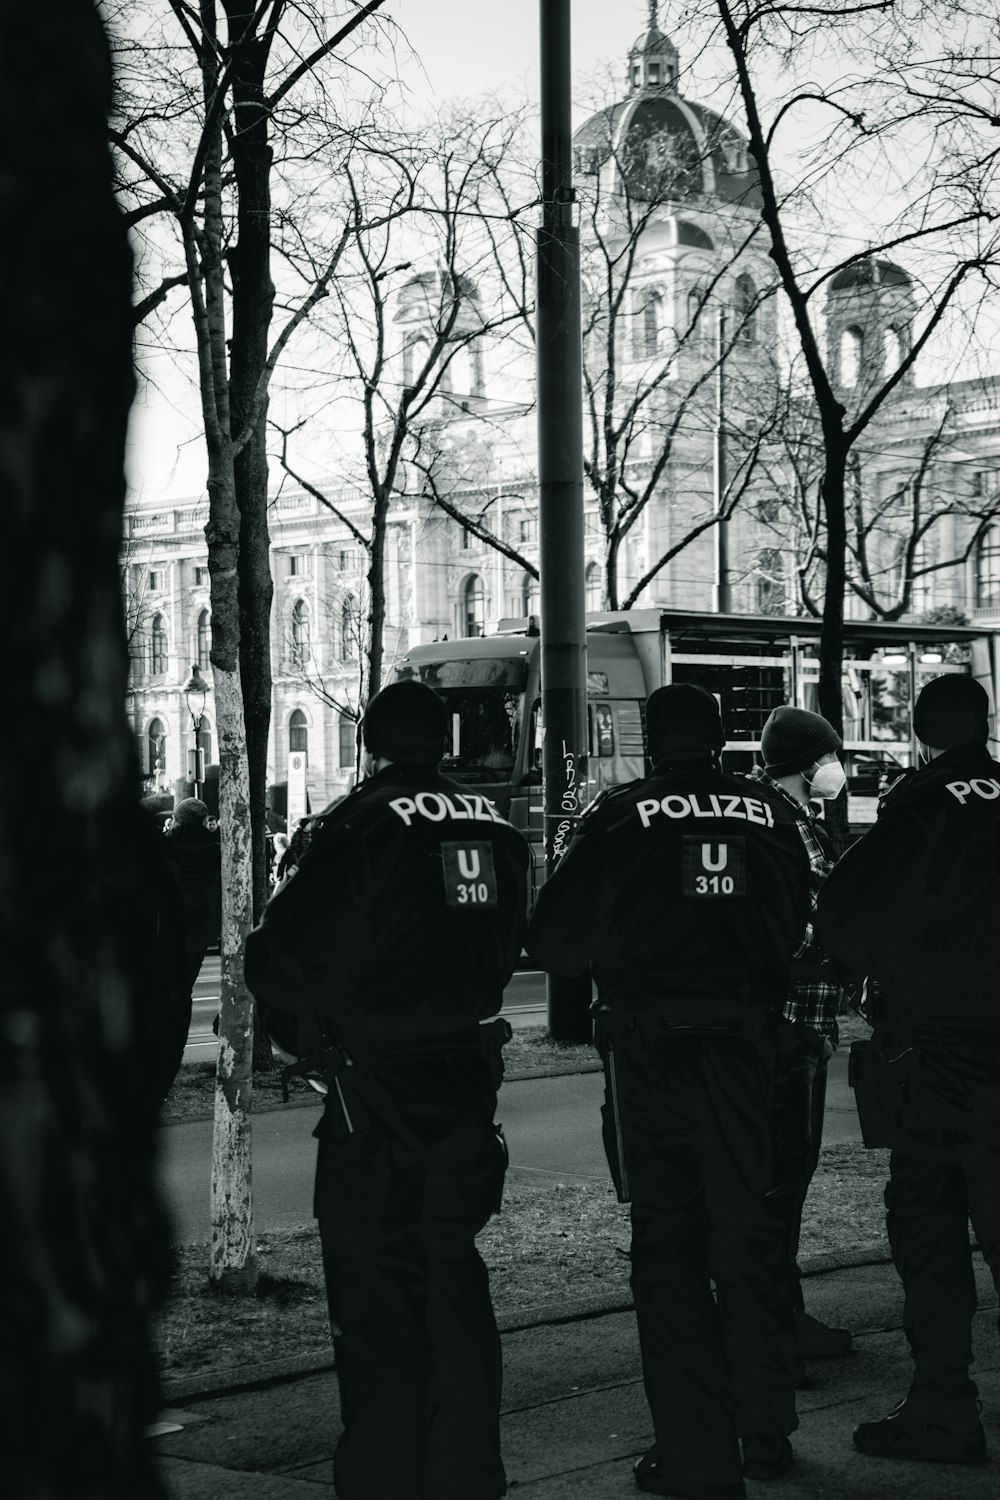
x=798, y=1104
x=694, y=1115
x=938, y=1180
x=399, y=1202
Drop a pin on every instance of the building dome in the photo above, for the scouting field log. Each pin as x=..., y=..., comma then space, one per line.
x=664, y=146
x=868, y=272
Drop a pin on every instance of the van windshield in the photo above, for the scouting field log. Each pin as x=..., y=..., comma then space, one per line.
x=485, y=699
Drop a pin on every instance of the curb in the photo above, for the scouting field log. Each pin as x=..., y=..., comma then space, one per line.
x=179, y=1389
x=302, y=1100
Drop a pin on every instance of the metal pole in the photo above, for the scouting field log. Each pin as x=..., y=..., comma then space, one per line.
x=196, y=726
x=723, y=589
x=560, y=496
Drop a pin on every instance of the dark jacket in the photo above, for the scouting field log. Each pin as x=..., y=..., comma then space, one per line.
x=195, y=860
x=916, y=902
x=387, y=916
x=687, y=890
x=162, y=995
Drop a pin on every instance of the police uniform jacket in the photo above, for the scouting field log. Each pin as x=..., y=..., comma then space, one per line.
x=409, y=904
x=915, y=902
x=687, y=892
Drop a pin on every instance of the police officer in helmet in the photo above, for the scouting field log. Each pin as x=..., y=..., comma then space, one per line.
x=388, y=946
x=914, y=904
x=686, y=892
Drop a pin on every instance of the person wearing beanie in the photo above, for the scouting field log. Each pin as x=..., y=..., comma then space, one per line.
x=913, y=905
x=801, y=765
x=195, y=861
x=379, y=961
x=686, y=893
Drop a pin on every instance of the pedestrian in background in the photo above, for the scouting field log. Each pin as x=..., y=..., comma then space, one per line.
x=195, y=860
x=802, y=768
x=162, y=993
x=687, y=892
x=915, y=904
x=391, y=942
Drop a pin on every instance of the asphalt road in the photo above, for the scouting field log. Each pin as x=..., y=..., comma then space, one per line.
x=552, y=1127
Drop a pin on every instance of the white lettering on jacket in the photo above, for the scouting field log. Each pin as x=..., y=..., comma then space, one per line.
x=436, y=806
x=980, y=786
x=719, y=805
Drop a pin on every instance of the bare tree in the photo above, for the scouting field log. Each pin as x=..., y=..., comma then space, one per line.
x=269, y=103
x=898, y=495
x=904, y=155
x=436, y=197
x=199, y=151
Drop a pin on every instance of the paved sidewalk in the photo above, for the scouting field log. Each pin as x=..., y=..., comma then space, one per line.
x=574, y=1417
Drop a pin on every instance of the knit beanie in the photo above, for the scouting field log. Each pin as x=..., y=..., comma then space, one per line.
x=952, y=710
x=683, y=722
x=406, y=722
x=793, y=739
x=189, y=810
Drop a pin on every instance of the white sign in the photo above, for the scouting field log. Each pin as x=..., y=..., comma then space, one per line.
x=296, y=787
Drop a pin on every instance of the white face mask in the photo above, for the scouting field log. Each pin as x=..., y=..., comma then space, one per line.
x=828, y=781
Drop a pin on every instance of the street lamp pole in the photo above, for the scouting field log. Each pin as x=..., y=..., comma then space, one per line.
x=195, y=691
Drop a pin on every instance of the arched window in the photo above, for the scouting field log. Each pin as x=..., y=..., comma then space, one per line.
x=158, y=646
x=348, y=628
x=892, y=347
x=646, y=329
x=988, y=569
x=473, y=606
x=298, y=732
x=697, y=320
x=347, y=740
x=204, y=650
x=852, y=348
x=301, y=650
x=746, y=309
x=531, y=594
x=770, y=582
x=156, y=747
x=592, y=586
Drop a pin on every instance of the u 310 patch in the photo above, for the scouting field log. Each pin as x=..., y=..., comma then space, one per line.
x=470, y=876
x=714, y=867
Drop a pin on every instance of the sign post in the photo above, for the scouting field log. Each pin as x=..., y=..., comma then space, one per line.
x=296, y=788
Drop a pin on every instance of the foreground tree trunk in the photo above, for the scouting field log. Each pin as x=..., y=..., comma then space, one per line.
x=82, y=1253
x=232, y=1261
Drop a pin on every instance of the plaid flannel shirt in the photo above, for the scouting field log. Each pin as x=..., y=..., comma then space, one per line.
x=814, y=994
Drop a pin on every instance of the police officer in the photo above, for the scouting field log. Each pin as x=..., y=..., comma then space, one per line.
x=801, y=765
x=686, y=892
x=914, y=904
x=393, y=938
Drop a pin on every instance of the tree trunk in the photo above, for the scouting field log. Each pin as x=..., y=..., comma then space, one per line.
x=611, y=569
x=232, y=1264
x=831, y=641
x=376, y=592
x=82, y=1254
x=253, y=301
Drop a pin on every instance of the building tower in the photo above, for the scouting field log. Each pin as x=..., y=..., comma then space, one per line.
x=870, y=308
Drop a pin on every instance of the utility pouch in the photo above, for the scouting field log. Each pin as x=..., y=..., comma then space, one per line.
x=612, y=1127
x=881, y=1093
